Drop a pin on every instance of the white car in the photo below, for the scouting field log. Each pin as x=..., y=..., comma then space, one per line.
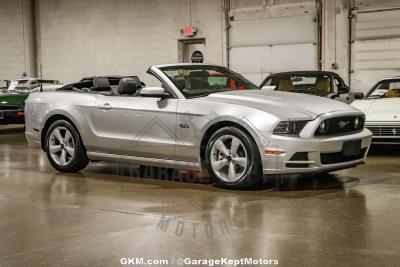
x=382, y=108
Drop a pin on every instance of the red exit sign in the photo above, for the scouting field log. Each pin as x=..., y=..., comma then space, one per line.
x=189, y=31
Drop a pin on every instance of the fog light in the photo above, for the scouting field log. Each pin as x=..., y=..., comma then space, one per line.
x=20, y=113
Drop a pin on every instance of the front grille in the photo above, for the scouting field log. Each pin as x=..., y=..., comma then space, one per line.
x=6, y=107
x=341, y=125
x=337, y=157
x=384, y=130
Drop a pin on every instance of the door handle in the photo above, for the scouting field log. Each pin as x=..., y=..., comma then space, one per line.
x=105, y=106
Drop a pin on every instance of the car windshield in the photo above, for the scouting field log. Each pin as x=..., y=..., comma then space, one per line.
x=197, y=81
x=313, y=84
x=385, y=89
x=30, y=85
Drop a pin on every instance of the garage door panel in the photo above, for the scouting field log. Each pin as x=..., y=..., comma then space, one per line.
x=376, y=47
x=297, y=29
x=293, y=57
x=256, y=78
x=248, y=59
x=262, y=60
x=365, y=79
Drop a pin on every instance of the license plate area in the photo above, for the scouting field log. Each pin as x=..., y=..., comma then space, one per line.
x=352, y=148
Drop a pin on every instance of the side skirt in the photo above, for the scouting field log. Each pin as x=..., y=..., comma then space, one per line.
x=166, y=163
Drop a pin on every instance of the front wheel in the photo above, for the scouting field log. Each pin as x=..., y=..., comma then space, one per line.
x=64, y=147
x=233, y=159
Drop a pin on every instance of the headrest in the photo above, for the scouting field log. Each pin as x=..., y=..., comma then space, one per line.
x=101, y=84
x=128, y=86
x=285, y=84
x=199, y=73
x=323, y=84
x=393, y=93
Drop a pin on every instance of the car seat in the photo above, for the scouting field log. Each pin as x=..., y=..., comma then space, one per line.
x=323, y=84
x=285, y=84
x=127, y=87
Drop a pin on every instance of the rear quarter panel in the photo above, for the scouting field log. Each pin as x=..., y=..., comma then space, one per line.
x=41, y=106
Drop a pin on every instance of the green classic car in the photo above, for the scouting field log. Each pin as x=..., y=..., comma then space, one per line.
x=12, y=102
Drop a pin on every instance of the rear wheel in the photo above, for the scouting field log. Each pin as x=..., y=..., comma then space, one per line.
x=64, y=147
x=233, y=159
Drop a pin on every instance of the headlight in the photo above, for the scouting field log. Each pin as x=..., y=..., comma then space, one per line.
x=289, y=127
x=358, y=122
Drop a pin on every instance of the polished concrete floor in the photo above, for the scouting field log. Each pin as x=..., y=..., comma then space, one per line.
x=105, y=213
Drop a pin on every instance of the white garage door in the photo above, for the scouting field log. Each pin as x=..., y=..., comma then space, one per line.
x=375, y=47
x=263, y=46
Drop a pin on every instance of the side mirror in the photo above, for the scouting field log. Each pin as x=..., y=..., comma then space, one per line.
x=157, y=92
x=344, y=89
x=358, y=95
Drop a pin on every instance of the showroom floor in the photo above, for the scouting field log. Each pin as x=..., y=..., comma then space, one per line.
x=103, y=214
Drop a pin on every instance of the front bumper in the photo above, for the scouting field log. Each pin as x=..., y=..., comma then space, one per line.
x=12, y=117
x=384, y=133
x=324, y=154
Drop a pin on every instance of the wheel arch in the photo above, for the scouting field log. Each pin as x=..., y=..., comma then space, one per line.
x=218, y=125
x=49, y=121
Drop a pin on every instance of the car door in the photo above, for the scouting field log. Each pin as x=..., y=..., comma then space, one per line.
x=136, y=126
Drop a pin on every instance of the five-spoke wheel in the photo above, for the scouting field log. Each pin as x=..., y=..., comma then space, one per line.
x=64, y=147
x=232, y=158
x=61, y=146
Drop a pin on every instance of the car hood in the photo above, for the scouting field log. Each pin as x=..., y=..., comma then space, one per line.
x=13, y=99
x=383, y=109
x=283, y=105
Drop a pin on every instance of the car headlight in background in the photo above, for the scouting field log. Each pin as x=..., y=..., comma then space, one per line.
x=289, y=127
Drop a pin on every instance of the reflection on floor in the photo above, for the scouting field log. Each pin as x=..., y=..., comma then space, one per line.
x=109, y=211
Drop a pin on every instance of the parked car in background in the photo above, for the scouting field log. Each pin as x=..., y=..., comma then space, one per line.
x=12, y=101
x=382, y=108
x=4, y=84
x=319, y=83
x=201, y=117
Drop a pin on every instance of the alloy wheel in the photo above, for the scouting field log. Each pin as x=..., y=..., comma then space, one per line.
x=61, y=146
x=229, y=159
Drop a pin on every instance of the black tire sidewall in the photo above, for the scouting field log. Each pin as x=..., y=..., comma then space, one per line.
x=253, y=173
x=71, y=167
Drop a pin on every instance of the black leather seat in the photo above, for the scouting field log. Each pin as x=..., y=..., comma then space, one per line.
x=199, y=80
x=127, y=87
x=101, y=84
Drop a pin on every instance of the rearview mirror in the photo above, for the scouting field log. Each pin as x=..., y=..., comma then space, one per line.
x=157, y=92
x=358, y=95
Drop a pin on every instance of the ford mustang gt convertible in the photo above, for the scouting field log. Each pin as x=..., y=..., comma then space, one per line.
x=200, y=117
x=382, y=108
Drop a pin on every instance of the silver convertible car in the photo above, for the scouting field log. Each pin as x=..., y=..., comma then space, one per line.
x=201, y=117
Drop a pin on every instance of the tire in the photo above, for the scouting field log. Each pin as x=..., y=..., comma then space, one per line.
x=239, y=169
x=65, y=152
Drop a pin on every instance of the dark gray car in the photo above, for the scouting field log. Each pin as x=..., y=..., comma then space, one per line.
x=320, y=83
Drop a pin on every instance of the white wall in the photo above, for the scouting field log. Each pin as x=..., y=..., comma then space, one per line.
x=79, y=37
x=16, y=39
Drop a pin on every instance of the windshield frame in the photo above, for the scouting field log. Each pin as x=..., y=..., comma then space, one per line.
x=205, y=67
x=376, y=86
